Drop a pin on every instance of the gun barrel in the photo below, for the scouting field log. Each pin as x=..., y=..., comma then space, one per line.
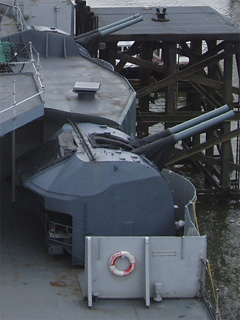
x=206, y=116
x=119, y=22
x=104, y=30
x=121, y=26
x=203, y=126
x=185, y=125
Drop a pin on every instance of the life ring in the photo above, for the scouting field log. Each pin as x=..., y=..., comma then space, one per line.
x=118, y=255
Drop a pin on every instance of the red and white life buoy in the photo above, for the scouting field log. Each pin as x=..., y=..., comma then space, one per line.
x=118, y=255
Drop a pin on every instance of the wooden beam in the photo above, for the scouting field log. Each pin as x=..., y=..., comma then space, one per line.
x=207, y=95
x=226, y=149
x=210, y=83
x=139, y=62
x=157, y=117
x=214, y=49
x=131, y=51
x=188, y=52
x=216, y=162
x=208, y=176
x=186, y=72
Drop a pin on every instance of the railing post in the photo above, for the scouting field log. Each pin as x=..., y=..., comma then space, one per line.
x=89, y=271
x=38, y=63
x=217, y=307
x=14, y=99
x=31, y=51
x=147, y=272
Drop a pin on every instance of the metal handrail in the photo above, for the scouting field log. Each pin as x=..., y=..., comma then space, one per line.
x=36, y=75
x=20, y=18
x=18, y=103
x=211, y=296
x=16, y=14
x=61, y=225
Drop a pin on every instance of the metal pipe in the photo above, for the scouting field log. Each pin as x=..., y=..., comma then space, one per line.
x=109, y=26
x=206, y=116
x=185, y=125
x=119, y=22
x=121, y=26
x=203, y=126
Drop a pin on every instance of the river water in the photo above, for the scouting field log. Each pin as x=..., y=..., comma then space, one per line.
x=219, y=219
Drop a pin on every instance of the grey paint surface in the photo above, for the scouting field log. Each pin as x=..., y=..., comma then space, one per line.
x=37, y=286
x=106, y=196
x=62, y=67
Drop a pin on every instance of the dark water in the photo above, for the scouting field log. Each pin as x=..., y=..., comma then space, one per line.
x=218, y=219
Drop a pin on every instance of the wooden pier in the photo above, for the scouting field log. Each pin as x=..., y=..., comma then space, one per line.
x=187, y=52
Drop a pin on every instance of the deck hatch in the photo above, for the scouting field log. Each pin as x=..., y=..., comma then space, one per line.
x=89, y=88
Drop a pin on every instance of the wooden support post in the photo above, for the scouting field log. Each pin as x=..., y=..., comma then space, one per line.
x=170, y=52
x=225, y=159
x=109, y=53
x=194, y=98
x=227, y=94
x=80, y=16
x=146, y=53
x=131, y=51
x=185, y=73
x=85, y=18
x=238, y=60
x=212, y=73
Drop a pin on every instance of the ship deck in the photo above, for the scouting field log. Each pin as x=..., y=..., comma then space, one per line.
x=35, y=285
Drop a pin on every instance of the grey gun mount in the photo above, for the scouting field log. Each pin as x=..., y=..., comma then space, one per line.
x=93, y=179
x=96, y=191
x=91, y=39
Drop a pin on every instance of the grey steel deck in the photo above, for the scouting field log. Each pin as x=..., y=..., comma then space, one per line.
x=28, y=103
x=111, y=101
x=62, y=67
x=34, y=285
x=61, y=70
x=185, y=23
x=7, y=26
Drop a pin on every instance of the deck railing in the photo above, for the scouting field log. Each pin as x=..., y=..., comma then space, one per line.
x=19, y=60
x=60, y=233
x=15, y=12
x=208, y=291
x=212, y=296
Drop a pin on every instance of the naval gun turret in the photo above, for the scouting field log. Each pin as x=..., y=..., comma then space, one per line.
x=91, y=39
x=96, y=180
